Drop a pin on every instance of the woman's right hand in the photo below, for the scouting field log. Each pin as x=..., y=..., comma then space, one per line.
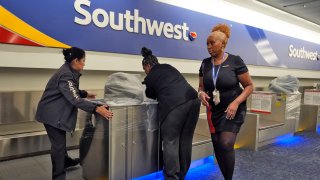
x=103, y=111
x=204, y=98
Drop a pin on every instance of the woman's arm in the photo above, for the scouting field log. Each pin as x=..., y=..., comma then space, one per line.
x=150, y=91
x=203, y=96
x=68, y=88
x=246, y=82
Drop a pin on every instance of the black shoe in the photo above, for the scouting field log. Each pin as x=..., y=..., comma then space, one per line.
x=71, y=162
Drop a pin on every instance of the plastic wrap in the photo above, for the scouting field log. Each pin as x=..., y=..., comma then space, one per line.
x=293, y=102
x=151, y=120
x=132, y=132
x=284, y=84
x=147, y=118
x=124, y=89
x=127, y=137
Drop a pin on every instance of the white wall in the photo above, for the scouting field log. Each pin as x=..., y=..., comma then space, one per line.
x=35, y=79
x=29, y=68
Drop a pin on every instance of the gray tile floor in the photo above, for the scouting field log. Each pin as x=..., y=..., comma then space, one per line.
x=295, y=158
x=35, y=168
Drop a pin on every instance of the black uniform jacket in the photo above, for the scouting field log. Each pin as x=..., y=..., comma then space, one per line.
x=165, y=84
x=61, y=99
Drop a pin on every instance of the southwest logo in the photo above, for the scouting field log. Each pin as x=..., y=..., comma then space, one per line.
x=192, y=36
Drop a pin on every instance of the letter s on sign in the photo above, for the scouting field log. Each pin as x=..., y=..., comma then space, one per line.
x=80, y=10
x=290, y=50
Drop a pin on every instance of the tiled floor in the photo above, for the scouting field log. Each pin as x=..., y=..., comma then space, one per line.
x=296, y=158
x=35, y=168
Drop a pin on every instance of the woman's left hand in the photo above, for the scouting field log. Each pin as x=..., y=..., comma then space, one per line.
x=91, y=95
x=232, y=110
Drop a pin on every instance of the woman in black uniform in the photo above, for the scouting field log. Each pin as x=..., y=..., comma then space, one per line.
x=219, y=90
x=58, y=108
x=178, y=112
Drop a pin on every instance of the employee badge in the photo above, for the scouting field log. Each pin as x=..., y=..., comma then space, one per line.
x=216, y=93
x=216, y=96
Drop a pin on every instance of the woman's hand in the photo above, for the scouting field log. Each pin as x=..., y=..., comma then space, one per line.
x=232, y=110
x=91, y=95
x=204, y=98
x=103, y=111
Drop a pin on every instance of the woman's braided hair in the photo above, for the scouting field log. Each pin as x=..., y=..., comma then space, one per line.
x=148, y=58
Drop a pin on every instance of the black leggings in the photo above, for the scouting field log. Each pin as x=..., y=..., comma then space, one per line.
x=223, y=144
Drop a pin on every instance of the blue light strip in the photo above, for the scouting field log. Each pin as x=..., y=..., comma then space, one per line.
x=200, y=162
x=196, y=167
x=153, y=176
x=318, y=129
x=288, y=140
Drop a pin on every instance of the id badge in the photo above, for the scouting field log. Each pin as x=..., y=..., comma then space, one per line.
x=214, y=93
x=216, y=97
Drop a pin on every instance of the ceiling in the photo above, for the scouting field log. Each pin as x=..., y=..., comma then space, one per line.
x=306, y=9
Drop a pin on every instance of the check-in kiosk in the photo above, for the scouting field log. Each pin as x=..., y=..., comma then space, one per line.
x=129, y=145
x=270, y=115
x=123, y=148
x=310, y=111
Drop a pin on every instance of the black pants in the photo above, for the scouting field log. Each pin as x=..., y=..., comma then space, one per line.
x=58, y=152
x=177, y=132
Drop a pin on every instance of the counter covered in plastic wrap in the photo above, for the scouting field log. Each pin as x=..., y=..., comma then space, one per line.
x=278, y=116
x=125, y=147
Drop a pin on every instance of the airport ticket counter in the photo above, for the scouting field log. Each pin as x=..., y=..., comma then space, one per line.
x=270, y=115
x=126, y=147
x=129, y=145
x=20, y=134
x=310, y=111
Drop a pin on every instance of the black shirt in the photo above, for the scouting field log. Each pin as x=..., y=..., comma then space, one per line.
x=227, y=79
x=166, y=84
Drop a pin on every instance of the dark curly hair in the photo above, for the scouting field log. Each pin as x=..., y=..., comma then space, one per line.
x=148, y=58
x=72, y=53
